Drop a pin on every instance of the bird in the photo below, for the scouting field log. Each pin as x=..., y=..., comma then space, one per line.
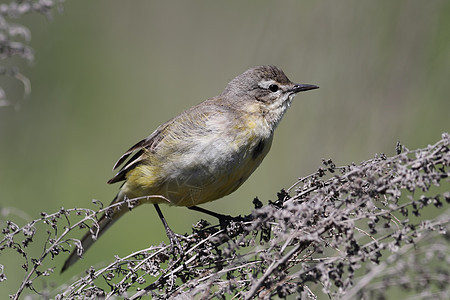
x=205, y=153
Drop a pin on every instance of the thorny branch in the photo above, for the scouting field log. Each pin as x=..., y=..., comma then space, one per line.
x=353, y=231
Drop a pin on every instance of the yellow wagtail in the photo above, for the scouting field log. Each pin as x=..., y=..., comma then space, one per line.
x=207, y=151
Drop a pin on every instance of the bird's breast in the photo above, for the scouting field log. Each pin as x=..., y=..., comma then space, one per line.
x=223, y=162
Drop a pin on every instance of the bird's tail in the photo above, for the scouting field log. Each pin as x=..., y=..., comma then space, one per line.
x=103, y=224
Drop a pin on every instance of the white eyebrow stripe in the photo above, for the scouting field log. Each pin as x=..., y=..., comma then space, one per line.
x=266, y=83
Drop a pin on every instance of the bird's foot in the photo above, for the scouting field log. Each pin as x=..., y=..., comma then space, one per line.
x=174, y=240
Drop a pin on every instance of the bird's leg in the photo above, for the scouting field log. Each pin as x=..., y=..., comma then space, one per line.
x=170, y=234
x=223, y=219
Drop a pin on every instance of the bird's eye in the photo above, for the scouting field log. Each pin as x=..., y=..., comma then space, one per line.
x=273, y=88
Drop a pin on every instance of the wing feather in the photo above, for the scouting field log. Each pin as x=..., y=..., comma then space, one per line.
x=147, y=144
x=198, y=114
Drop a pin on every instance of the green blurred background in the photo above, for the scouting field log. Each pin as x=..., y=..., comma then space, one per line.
x=107, y=73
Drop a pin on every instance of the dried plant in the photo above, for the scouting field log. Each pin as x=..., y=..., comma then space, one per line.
x=347, y=232
x=15, y=38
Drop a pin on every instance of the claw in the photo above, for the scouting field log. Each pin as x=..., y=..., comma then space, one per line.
x=173, y=237
x=224, y=220
x=174, y=241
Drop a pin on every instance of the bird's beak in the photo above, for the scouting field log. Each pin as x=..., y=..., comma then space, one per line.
x=303, y=87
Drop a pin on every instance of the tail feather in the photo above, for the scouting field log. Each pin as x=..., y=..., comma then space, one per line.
x=103, y=224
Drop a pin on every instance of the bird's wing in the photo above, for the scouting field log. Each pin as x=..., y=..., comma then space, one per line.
x=135, y=155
